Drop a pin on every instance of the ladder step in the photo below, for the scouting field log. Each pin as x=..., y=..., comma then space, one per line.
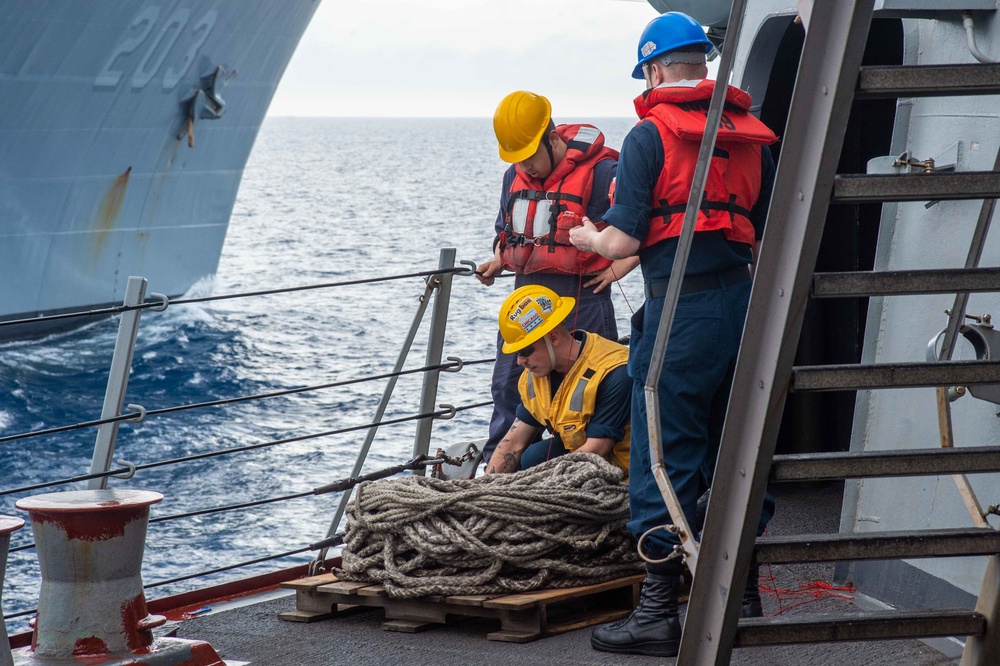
x=928, y=81
x=952, y=542
x=890, y=283
x=870, y=626
x=936, y=186
x=870, y=464
x=853, y=377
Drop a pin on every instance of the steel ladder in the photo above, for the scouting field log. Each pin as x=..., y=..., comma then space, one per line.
x=829, y=78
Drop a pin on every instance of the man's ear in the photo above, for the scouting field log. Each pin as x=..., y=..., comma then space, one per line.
x=654, y=74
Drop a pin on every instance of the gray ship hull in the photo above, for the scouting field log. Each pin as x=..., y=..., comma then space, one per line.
x=124, y=131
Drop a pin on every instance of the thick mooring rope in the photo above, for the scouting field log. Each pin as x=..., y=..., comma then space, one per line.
x=560, y=524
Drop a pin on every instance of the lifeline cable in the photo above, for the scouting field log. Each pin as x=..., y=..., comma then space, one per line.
x=618, y=281
x=420, y=462
x=178, y=579
x=559, y=524
x=148, y=305
x=248, y=447
x=131, y=416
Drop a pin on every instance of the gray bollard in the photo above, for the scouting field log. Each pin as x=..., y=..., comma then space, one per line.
x=7, y=525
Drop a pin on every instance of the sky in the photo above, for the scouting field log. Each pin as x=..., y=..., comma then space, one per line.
x=458, y=58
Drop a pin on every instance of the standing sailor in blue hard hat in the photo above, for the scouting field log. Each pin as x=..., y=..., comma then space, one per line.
x=655, y=172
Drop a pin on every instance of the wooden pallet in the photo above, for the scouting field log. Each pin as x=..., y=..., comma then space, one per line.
x=523, y=617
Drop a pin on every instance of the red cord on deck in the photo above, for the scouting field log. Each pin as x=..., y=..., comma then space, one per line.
x=805, y=593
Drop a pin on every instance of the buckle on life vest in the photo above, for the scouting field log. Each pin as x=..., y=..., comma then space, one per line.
x=520, y=240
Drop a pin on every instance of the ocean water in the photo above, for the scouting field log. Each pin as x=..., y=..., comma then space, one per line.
x=322, y=200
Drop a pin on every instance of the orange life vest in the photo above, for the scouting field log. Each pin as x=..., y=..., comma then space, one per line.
x=679, y=113
x=541, y=213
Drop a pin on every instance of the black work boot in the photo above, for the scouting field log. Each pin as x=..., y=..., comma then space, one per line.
x=751, y=594
x=653, y=628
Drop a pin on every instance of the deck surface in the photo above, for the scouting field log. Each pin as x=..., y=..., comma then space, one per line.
x=255, y=634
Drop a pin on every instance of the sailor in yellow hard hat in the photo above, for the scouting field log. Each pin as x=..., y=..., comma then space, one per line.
x=558, y=174
x=573, y=384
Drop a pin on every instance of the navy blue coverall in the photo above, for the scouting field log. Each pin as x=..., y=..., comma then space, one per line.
x=701, y=355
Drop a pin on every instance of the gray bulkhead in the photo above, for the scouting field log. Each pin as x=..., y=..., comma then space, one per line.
x=964, y=131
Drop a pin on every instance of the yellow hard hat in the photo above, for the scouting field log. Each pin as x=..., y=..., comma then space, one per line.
x=520, y=122
x=529, y=313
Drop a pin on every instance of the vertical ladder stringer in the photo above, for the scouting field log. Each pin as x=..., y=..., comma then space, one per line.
x=817, y=121
x=805, y=186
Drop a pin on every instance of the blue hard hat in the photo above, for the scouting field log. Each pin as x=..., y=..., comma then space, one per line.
x=668, y=32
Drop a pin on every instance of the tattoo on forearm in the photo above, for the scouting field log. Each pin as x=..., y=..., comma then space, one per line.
x=510, y=461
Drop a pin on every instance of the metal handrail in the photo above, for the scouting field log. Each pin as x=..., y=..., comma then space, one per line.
x=161, y=302
x=416, y=464
x=428, y=394
x=454, y=362
x=441, y=413
x=438, y=280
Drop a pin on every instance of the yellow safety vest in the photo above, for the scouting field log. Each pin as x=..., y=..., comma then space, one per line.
x=568, y=411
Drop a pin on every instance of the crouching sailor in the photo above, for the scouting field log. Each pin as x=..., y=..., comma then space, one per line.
x=574, y=384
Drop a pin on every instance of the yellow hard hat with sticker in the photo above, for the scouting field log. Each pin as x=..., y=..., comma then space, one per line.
x=529, y=313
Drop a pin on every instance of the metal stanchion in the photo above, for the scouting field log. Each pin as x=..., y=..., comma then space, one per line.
x=7, y=525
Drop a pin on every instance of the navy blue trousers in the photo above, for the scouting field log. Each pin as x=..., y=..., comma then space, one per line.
x=542, y=451
x=594, y=313
x=693, y=394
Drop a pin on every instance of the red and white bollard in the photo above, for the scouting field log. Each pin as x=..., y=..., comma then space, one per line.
x=91, y=608
x=7, y=525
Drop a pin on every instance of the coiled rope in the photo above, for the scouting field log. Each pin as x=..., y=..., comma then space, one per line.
x=559, y=524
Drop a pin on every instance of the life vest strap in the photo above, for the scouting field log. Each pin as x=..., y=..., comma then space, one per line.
x=538, y=195
x=514, y=239
x=666, y=210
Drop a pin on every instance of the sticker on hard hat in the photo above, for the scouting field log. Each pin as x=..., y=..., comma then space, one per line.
x=541, y=301
x=530, y=320
x=647, y=48
x=525, y=302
